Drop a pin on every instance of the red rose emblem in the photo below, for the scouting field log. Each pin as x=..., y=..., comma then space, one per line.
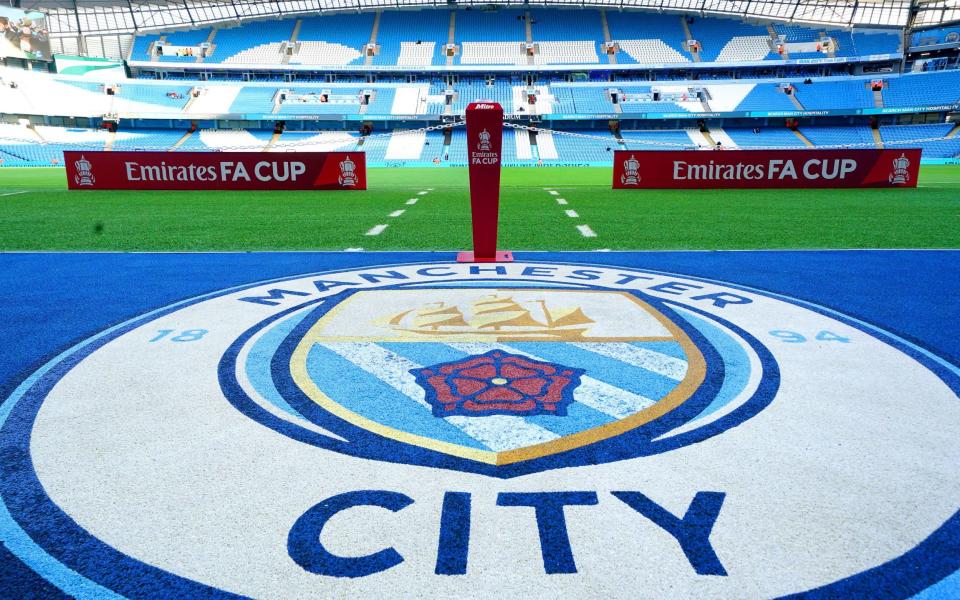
x=498, y=383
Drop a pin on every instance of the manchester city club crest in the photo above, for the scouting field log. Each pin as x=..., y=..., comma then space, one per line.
x=410, y=429
x=491, y=376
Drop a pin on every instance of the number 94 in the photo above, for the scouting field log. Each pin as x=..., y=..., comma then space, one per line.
x=792, y=337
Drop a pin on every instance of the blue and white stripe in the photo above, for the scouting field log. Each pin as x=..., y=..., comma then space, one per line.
x=374, y=380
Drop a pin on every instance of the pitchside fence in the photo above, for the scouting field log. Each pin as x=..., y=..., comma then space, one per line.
x=632, y=143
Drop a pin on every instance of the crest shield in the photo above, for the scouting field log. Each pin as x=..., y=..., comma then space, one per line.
x=493, y=375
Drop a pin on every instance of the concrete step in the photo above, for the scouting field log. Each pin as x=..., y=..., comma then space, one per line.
x=803, y=139
x=181, y=141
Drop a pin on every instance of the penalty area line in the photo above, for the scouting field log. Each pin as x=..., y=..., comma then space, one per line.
x=14, y=193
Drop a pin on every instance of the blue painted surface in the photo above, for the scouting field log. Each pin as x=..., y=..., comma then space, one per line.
x=50, y=301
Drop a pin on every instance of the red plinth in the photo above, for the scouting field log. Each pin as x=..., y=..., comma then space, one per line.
x=484, y=155
x=498, y=257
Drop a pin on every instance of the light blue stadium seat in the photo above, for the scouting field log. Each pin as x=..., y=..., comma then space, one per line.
x=253, y=100
x=411, y=26
x=656, y=139
x=824, y=95
x=560, y=26
x=574, y=149
x=854, y=136
x=766, y=97
x=765, y=137
x=906, y=136
x=147, y=139
x=639, y=26
x=923, y=89
x=229, y=42
x=714, y=34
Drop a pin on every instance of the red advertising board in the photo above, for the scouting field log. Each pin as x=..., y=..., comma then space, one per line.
x=653, y=169
x=216, y=170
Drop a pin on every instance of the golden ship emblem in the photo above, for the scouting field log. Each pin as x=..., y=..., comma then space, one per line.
x=493, y=316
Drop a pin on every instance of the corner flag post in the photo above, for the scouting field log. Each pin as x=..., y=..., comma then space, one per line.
x=484, y=154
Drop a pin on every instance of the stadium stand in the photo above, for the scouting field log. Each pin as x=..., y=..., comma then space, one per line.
x=316, y=141
x=726, y=40
x=936, y=36
x=942, y=87
x=570, y=149
x=822, y=95
x=254, y=100
x=657, y=139
x=846, y=135
x=494, y=38
x=232, y=45
x=417, y=38
x=647, y=37
x=146, y=139
x=560, y=26
x=758, y=137
x=333, y=40
x=403, y=40
x=875, y=42
x=906, y=135
x=412, y=38
x=766, y=96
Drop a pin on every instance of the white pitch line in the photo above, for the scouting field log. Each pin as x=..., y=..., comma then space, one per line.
x=422, y=193
x=571, y=213
x=585, y=231
x=397, y=213
x=554, y=193
x=377, y=229
x=14, y=193
x=561, y=201
x=353, y=250
x=411, y=201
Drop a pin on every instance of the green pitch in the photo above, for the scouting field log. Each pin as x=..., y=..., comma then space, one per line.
x=37, y=213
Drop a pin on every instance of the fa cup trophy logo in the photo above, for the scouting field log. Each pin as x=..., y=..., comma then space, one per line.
x=900, y=176
x=348, y=177
x=484, y=144
x=631, y=172
x=84, y=174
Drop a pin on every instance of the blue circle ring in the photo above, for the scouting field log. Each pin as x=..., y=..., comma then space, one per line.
x=47, y=540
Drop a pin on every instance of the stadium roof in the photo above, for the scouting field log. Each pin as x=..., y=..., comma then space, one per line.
x=106, y=16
